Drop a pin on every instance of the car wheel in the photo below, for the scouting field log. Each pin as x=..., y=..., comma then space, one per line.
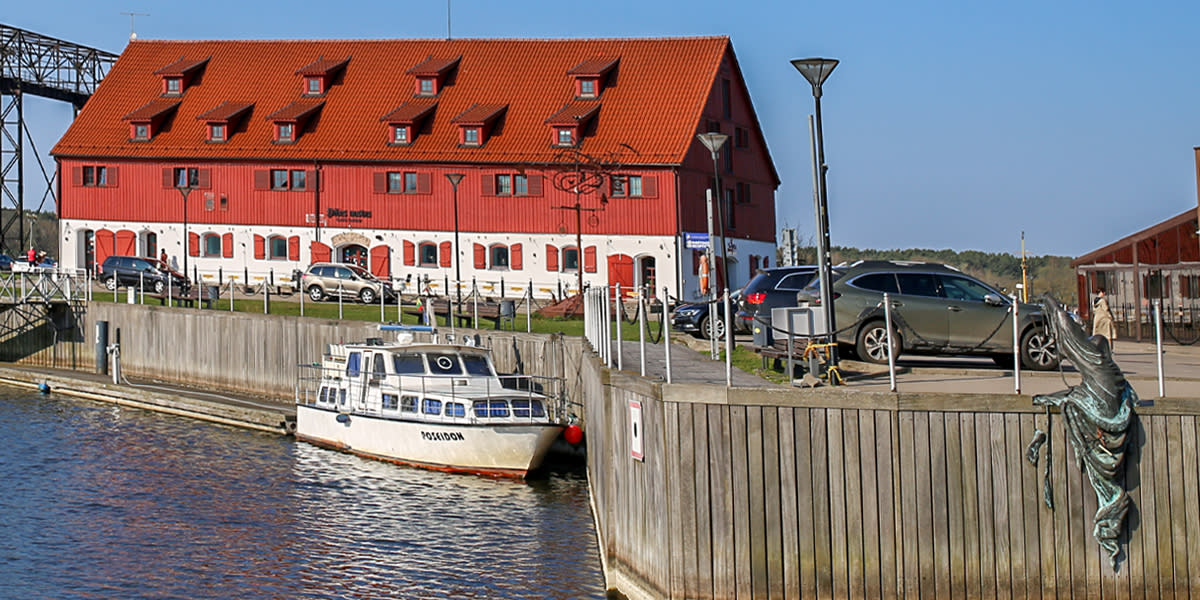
x=1039, y=351
x=159, y=286
x=704, y=328
x=315, y=293
x=367, y=296
x=872, y=343
x=110, y=284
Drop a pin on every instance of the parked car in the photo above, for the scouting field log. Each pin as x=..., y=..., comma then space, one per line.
x=323, y=280
x=694, y=318
x=149, y=273
x=936, y=309
x=6, y=262
x=771, y=288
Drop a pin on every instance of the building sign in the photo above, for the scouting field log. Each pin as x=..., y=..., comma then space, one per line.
x=695, y=241
x=348, y=216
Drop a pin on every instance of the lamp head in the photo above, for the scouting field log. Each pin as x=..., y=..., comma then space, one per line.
x=454, y=178
x=713, y=141
x=815, y=70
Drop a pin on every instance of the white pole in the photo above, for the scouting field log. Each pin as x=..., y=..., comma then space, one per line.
x=142, y=287
x=382, y=317
x=728, y=341
x=231, y=285
x=339, y=300
x=617, y=306
x=666, y=325
x=1162, y=389
x=607, y=325
x=1016, y=345
x=300, y=290
x=169, y=294
x=475, y=303
x=641, y=309
x=529, y=308
x=265, y=301
x=887, y=321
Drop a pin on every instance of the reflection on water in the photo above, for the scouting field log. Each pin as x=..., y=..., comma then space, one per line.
x=105, y=502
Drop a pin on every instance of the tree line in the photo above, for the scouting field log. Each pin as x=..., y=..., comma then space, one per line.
x=41, y=232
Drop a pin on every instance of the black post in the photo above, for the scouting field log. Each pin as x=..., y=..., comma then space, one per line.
x=827, y=264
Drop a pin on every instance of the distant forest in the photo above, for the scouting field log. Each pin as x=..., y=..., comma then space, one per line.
x=41, y=230
x=1051, y=274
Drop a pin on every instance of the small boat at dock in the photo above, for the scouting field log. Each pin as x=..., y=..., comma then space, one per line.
x=439, y=406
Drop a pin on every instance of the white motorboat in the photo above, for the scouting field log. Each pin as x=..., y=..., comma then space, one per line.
x=431, y=405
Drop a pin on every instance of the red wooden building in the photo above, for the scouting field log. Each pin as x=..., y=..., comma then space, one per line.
x=285, y=153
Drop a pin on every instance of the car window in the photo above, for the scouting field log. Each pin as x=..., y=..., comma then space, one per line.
x=878, y=282
x=344, y=273
x=919, y=284
x=794, y=282
x=961, y=288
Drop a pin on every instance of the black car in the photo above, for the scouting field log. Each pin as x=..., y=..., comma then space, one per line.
x=149, y=273
x=693, y=318
x=6, y=262
x=771, y=288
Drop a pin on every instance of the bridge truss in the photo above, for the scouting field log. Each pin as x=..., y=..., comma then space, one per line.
x=31, y=63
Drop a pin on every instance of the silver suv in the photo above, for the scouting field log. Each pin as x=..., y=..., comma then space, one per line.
x=936, y=309
x=323, y=280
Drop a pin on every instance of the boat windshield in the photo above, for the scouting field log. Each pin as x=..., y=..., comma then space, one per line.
x=476, y=365
x=444, y=364
x=408, y=364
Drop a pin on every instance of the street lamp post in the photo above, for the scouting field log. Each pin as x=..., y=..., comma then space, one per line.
x=714, y=141
x=184, y=191
x=454, y=179
x=816, y=70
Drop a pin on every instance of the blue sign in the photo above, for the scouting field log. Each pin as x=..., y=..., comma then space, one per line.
x=695, y=241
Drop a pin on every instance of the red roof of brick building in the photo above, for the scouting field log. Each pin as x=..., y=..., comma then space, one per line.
x=652, y=96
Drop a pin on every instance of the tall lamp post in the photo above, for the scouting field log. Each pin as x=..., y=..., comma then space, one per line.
x=714, y=141
x=454, y=179
x=184, y=190
x=816, y=70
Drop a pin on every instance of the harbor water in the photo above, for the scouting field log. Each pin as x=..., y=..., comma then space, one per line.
x=100, y=501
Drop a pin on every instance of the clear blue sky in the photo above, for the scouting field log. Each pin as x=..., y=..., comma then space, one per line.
x=947, y=124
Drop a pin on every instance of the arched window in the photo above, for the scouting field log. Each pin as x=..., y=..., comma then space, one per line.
x=498, y=257
x=278, y=246
x=428, y=255
x=212, y=244
x=570, y=261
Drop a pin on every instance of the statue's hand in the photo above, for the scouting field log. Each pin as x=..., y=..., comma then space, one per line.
x=1054, y=399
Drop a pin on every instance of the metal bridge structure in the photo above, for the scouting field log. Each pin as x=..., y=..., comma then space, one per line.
x=39, y=65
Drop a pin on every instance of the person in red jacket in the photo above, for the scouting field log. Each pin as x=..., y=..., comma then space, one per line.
x=31, y=256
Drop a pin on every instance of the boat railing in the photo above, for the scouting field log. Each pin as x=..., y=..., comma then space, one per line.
x=409, y=395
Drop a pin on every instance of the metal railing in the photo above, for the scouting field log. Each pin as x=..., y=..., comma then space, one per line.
x=43, y=286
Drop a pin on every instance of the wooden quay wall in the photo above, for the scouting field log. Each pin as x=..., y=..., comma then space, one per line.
x=828, y=493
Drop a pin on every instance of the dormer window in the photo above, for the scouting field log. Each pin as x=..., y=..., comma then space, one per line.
x=477, y=122
x=147, y=120
x=406, y=120
x=178, y=75
x=174, y=85
x=141, y=132
x=400, y=134
x=223, y=120
x=433, y=74
x=216, y=133
x=290, y=120
x=591, y=76
x=566, y=136
x=569, y=125
x=321, y=74
x=285, y=132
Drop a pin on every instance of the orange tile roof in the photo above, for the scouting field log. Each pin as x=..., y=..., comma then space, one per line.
x=321, y=66
x=434, y=66
x=574, y=113
x=410, y=111
x=296, y=110
x=181, y=67
x=225, y=111
x=151, y=110
x=654, y=104
x=478, y=114
x=595, y=66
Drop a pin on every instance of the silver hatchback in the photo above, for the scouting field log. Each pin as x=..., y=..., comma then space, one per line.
x=323, y=280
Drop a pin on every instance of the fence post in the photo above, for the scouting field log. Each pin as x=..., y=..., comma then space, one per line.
x=666, y=325
x=887, y=322
x=619, y=316
x=642, y=329
x=1162, y=385
x=1016, y=310
x=529, y=308
x=729, y=343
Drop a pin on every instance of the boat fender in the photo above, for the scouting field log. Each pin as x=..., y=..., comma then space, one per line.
x=44, y=387
x=343, y=418
x=573, y=434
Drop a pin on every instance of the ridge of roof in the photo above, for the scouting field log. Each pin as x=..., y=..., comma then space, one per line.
x=141, y=41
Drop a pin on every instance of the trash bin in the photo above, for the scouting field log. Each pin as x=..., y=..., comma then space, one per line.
x=508, y=309
x=212, y=293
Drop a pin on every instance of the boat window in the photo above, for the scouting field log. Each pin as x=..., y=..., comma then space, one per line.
x=390, y=402
x=476, y=365
x=342, y=397
x=444, y=364
x=377, y=368
x=431, y=407
x=481, y=409
x=455, y=409
x=352, y=364
x=408, y=404
x=499, y=408
x=408, y=364
x=323, y=394
x=526, y=408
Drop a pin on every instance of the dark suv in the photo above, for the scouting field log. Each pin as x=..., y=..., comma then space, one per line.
x=771, y=288
x=936, y=309
x=149, y=273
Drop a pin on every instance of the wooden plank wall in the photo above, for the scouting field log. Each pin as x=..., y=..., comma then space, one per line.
x=754, y=496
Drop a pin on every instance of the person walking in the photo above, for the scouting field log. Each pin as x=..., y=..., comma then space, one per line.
x=1102, y=319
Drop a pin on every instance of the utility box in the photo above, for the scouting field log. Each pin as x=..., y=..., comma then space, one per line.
x=763, y=334
x=800, y=321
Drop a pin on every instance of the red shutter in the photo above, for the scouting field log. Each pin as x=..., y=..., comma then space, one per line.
x=446, y=258
x=487, y=185
x=112, y=176
x=260, y=247
x=126, y=243
x=76, y=176
x=480, y=256
x=262, y=179
x=649, y=186
x=514, y=257
x=551, y=258
x=294, y=248
x=423, y=184
x=535, y=185
x=204, y=178
x=193, y=244
x=381, y=262
x=104, y=245
x=589, y=259
x=227, y=245
x=765, y=264
x=410, y=251
x=320, y=252
x=168, y=177
x=379, y=183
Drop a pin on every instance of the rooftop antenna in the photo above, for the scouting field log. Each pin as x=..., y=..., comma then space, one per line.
x=448, y=37
x=132, y=33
